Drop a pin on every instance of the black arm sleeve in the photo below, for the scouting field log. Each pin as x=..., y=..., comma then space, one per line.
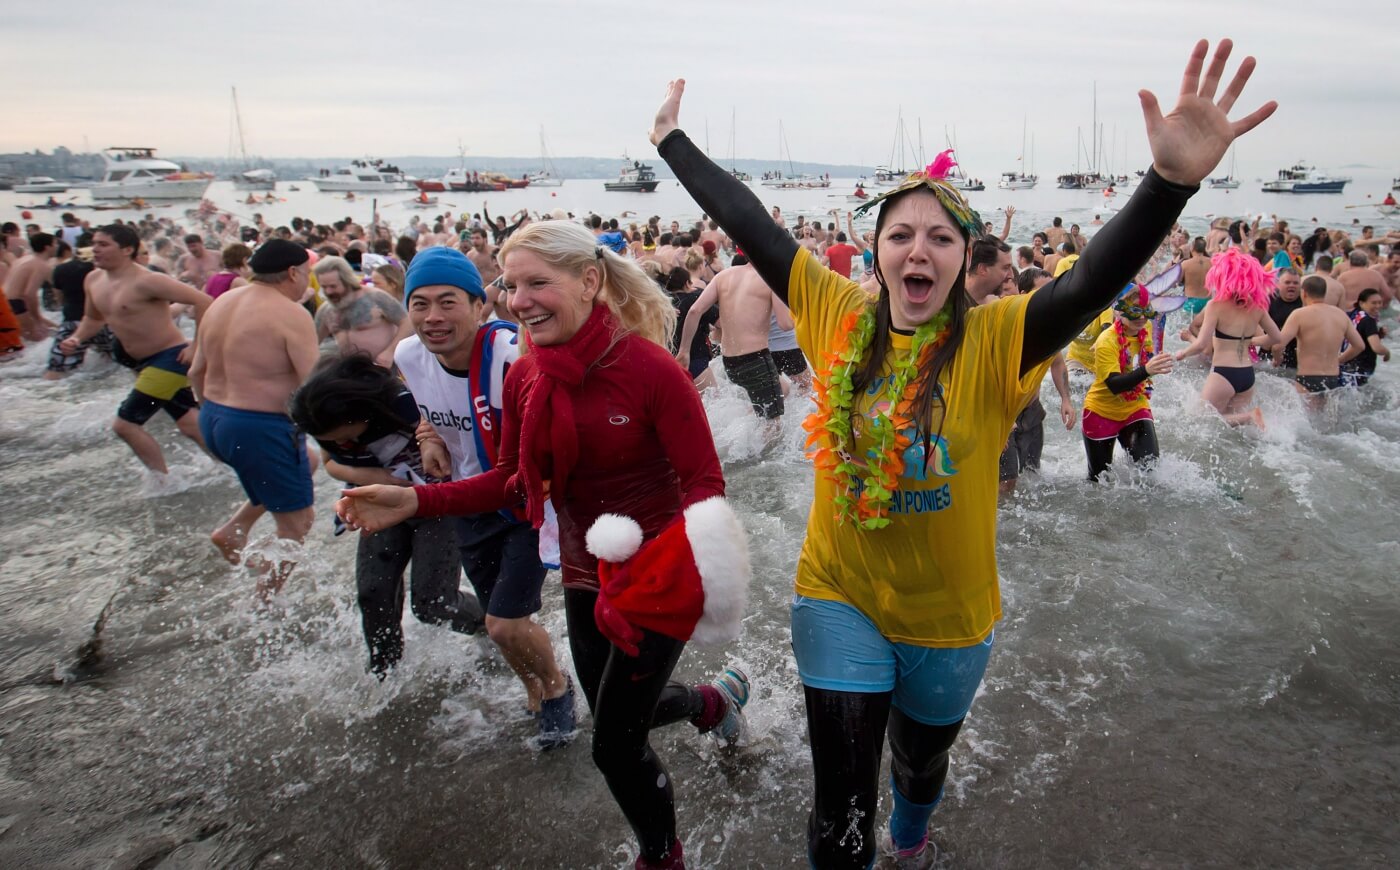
x=1125, y=381
x=734, y=207
x=1061, y=309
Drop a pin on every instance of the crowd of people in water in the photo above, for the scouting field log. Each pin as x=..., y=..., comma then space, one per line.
x=504, y=396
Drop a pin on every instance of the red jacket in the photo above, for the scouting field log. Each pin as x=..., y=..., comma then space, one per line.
x=645, y=451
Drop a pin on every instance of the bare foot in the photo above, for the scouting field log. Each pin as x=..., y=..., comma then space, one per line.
x=230, y=540
x=1257, y=418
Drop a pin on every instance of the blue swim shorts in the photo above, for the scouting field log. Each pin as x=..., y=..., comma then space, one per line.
x=1195, y=304
x=838, y=648
x=266, y=451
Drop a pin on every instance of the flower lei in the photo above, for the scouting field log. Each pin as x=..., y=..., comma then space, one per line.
x=830, y=439
x=1124, y=363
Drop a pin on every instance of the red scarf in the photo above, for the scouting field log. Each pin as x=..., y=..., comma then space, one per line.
x=547, y=428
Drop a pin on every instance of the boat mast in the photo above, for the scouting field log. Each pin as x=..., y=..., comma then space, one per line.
x=1094, y=130
x=238, y=124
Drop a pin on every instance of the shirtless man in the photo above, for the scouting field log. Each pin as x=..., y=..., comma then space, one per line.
x=195, y=267
x=1335, y=289
x=989, y=271
x=1361, y=276
x=1319, y=329
x=134, y=303
x=1390, y=271
x=712, y=233
x=23, y=283
x=745, y=313
x=483, y=255
x=1193, y=273
x=1055, y=233
x=256, y=348
x=360, y=318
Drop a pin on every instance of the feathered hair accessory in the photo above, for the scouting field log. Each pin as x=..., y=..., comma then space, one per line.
x=935, y=178
x=1134, y=303
x=1239, y=278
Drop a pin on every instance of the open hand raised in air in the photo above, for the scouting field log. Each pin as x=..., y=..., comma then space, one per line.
x=1188, y=142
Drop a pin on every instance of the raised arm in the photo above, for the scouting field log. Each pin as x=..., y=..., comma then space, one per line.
x=730, y=202
x=1006, y=227
x=851, y=235
x=1186, y=145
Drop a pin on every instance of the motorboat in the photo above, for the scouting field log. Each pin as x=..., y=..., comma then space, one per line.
x=778, y=181
x=637, y=178
x=41, y=184
x=548, y=176
x=1300, y=178
x=362, y=176
x=1084, y=181
x=459, y=180
x=1016, y=181
x=137, y=174
x=255, y=179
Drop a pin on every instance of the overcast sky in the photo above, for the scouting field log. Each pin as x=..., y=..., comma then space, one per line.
x=369, y=78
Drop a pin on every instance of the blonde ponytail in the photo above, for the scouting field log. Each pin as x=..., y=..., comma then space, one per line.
x=637, y=304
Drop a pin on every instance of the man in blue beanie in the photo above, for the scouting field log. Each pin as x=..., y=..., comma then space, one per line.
x=455, y=365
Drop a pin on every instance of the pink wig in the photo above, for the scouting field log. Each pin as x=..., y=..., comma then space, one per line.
x=1239, y=278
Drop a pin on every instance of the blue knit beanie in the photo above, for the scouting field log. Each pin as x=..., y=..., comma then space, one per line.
x=442, y=266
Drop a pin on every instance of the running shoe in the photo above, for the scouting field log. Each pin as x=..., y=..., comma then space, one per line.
x=558, y=727
x=921, y=857
x=733, y=685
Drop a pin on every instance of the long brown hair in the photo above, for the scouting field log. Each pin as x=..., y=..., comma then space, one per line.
x=929, y=372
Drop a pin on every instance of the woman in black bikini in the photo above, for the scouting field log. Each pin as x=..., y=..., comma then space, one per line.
x=1236, y=318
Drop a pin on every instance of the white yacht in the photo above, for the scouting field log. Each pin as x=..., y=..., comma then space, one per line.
x=362, y=176
x=255, y=179
x=41, y=184
x=136, y=173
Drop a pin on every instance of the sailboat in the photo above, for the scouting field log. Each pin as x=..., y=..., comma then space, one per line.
x=1091, y=179
x=738, y=174
x=1019, y=180
x=1226, y=182
x=548, y=176
x=791, y=181
x=893, y=173
x=248, y=178
x=956, y=177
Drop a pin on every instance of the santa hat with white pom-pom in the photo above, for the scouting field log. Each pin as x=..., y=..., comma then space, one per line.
x=690, y=582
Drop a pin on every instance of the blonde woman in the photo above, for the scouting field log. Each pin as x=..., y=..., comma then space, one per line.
x=599, y=417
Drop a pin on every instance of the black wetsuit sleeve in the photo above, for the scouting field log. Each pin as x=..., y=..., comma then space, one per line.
x=1061, y=309
x=1125, y=381
x=734, y=207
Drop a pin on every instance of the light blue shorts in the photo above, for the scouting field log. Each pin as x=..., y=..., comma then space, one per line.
x=838, y=648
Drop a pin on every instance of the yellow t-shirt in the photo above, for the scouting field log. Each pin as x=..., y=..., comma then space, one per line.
x=1101, y=400
x=930, y=577
x=1064, y=264
x=1081, y=347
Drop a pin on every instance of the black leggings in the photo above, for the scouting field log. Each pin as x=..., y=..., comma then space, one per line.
x=1138, y=438
x=628, y=697
x=380, y=562
x=847, y=732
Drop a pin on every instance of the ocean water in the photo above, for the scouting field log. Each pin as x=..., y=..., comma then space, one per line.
x=1197, y=665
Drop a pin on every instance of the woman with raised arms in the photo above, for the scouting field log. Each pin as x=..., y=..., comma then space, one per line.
x=897, y=592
